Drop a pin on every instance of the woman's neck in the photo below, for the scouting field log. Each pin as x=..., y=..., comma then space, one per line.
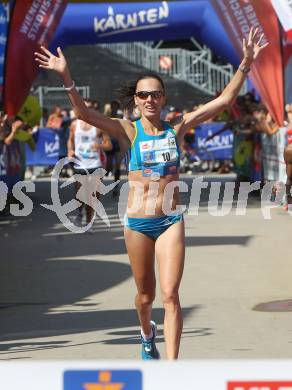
x=153, y=126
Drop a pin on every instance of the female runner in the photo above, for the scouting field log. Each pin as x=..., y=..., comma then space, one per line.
x=153, y=147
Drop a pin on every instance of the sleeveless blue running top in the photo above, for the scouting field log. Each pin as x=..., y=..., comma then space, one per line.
x=155, y=155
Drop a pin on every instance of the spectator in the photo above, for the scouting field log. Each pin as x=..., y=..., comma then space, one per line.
x=86, y=144
x=9, y=129
x=55, y=118
x=114, y=156
x=172, y=113
x=288, y=156
x=107, y=109
x=264, y=122
x=96, y=105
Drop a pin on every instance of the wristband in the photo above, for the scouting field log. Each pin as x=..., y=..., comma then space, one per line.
x=68, y=89
x=244, y=69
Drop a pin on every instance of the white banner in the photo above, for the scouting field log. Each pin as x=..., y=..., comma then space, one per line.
x=139, y=375
x=274, y=167
x=283, y=10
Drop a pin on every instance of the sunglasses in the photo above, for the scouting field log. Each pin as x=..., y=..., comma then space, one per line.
x=143, y=95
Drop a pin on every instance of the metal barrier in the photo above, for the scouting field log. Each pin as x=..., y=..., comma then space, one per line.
x=193, y=67
x=56, y=96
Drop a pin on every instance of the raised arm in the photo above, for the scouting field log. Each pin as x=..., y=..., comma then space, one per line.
x=119, y=129
x=267, y=126
x=251, y=49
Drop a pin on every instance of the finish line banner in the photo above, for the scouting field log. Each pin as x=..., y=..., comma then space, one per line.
x=109, y=22
x=214, y=141
x=47, y=148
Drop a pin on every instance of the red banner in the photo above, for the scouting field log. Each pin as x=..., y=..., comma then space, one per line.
x=33, y=23
x=255, y=385
x=238, y=16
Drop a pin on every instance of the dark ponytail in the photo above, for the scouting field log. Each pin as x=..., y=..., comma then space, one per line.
x=126, y=94
x=127, y=91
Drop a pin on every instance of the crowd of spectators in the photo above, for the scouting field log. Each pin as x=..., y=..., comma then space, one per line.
x=247, y=118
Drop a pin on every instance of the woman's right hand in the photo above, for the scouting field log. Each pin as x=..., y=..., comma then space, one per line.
x=48, y=60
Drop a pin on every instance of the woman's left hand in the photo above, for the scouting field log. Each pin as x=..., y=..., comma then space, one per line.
x=252, y=46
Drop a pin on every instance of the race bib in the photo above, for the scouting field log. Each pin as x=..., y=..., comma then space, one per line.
x=159, y=157
x=87, y=153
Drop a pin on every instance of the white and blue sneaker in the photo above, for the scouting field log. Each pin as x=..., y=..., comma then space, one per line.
x=149, y=350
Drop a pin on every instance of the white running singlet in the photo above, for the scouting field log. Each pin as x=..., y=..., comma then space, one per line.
x=84, y=147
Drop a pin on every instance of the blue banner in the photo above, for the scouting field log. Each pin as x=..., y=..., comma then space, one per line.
x=106, y=379
x=219, y=147
x=137, y=21
x=3, y=39
x=116, y=22
x=47, y=148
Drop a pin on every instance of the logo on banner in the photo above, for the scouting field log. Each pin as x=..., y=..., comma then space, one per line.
x=2, y=19
x=124, y=22
x=103, y=380
x=271, y=385
x=218, y=142
x=52, y=148
x=2, y=164
x=2, y=39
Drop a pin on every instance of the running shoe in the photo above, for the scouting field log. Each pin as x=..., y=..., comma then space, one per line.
x=149, y=350
x=89, y=231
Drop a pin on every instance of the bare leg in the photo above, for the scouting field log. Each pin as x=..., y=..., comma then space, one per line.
x=170, y=252
x=141, y=254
